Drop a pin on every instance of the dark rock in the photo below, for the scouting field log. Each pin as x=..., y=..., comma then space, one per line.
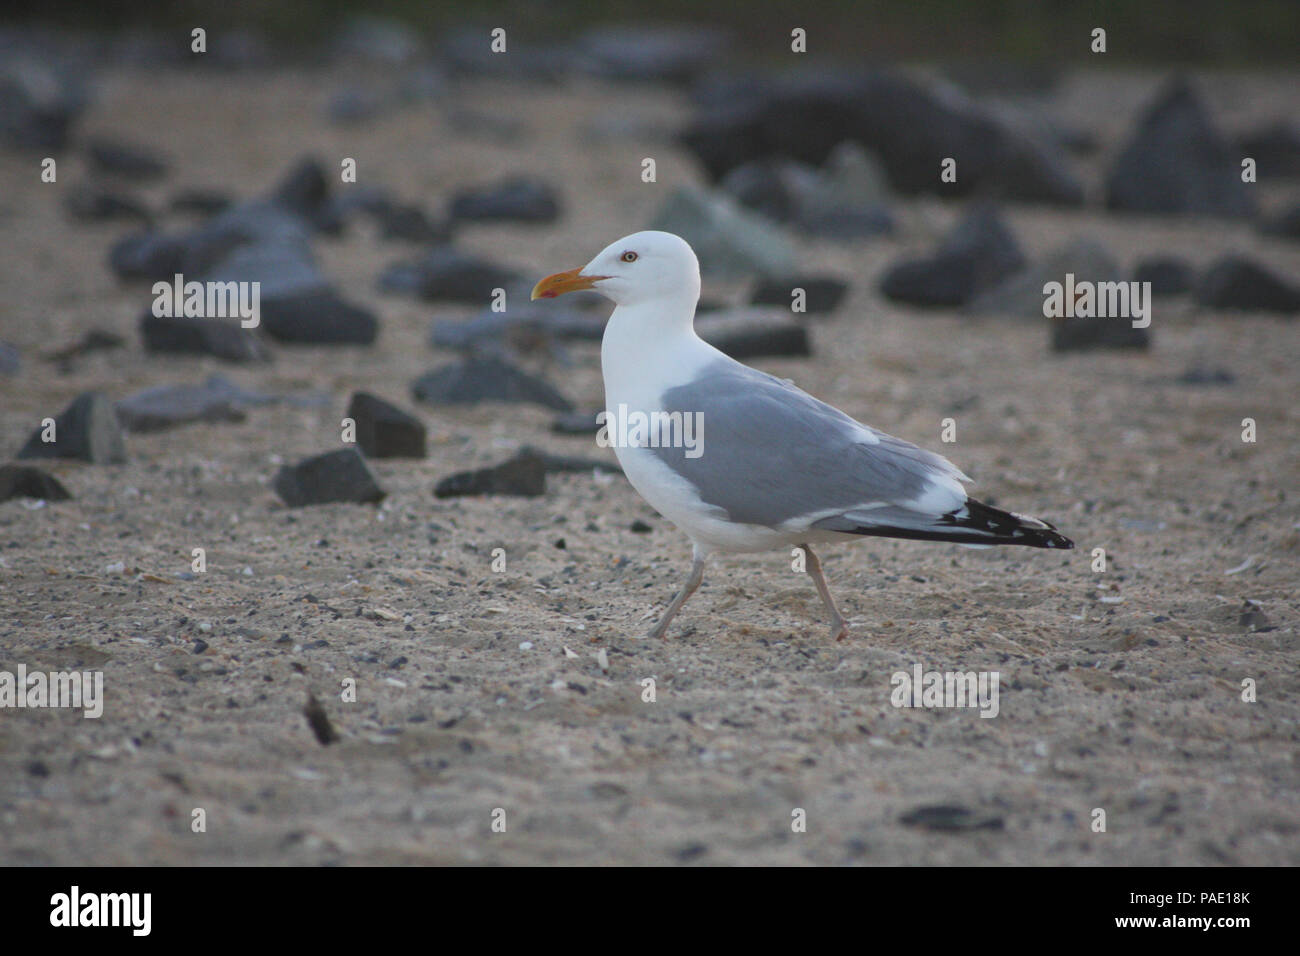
x=150, y=256
x=1021, y=293
x=750, y=333
x=523, y=475
x=355, y=104
x=202, y=202
x=1075, y=334
x=1204, y=375
x=1168, y=276
x=1285, y=223
x=911, y=126
x=821, y=293
x=319, y=721
x=640, y=527
x=946, y=818
x=570, y=464
x=1275, y=149
x=87, y=429
x=24, y=481
x=123, y=159
x=1235, y=282
x=576, y=423
x=847, y=222
x=318, y=317
x=296, y=302
x=486, y=379
x=89, y=203
x=223, y=339
x=410, y=223
x=659, y=53
x=811, y=200
x=1178, y=162
x=1003, y=76
x=166, y=406
x=10, y=359
x=1252, y=616
x=95, y=340
x=522, y=320
x=305, y=192
x=978, y=254
x=469, y=51
x=445, y=274
x=518, y=199
x=332, y=477
x=378, y=40
x=384, y=430
x=283, y=235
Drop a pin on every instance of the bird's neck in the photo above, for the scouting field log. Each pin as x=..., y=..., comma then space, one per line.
x=650, y=346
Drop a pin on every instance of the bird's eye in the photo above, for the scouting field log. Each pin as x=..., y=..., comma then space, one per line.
x=629, y=257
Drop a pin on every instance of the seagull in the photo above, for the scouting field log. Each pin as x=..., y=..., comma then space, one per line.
x=767, y=465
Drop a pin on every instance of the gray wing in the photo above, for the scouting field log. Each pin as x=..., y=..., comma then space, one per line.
x=772, y=452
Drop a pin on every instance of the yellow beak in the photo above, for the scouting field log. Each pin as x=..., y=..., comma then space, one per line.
x=563, y=282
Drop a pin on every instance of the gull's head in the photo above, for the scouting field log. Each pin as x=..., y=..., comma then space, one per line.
x=642, y=267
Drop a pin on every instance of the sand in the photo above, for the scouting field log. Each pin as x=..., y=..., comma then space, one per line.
x=522, y=690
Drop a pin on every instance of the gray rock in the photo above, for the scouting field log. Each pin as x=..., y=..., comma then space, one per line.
x=87, y=429
x=446, y=274
x=517, y=199
x=670, y=53
x=39, y=102
x=728, y=239
x=166, y=406
x=379, y=40
x=1021, y=294
x=1177, y=162
x=487, y=379
x=337, y=476
x=384, y=430
x=10, y=359
x=352, y=105
x=805, y=198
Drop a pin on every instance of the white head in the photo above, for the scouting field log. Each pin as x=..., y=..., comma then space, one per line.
x=642, y=267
